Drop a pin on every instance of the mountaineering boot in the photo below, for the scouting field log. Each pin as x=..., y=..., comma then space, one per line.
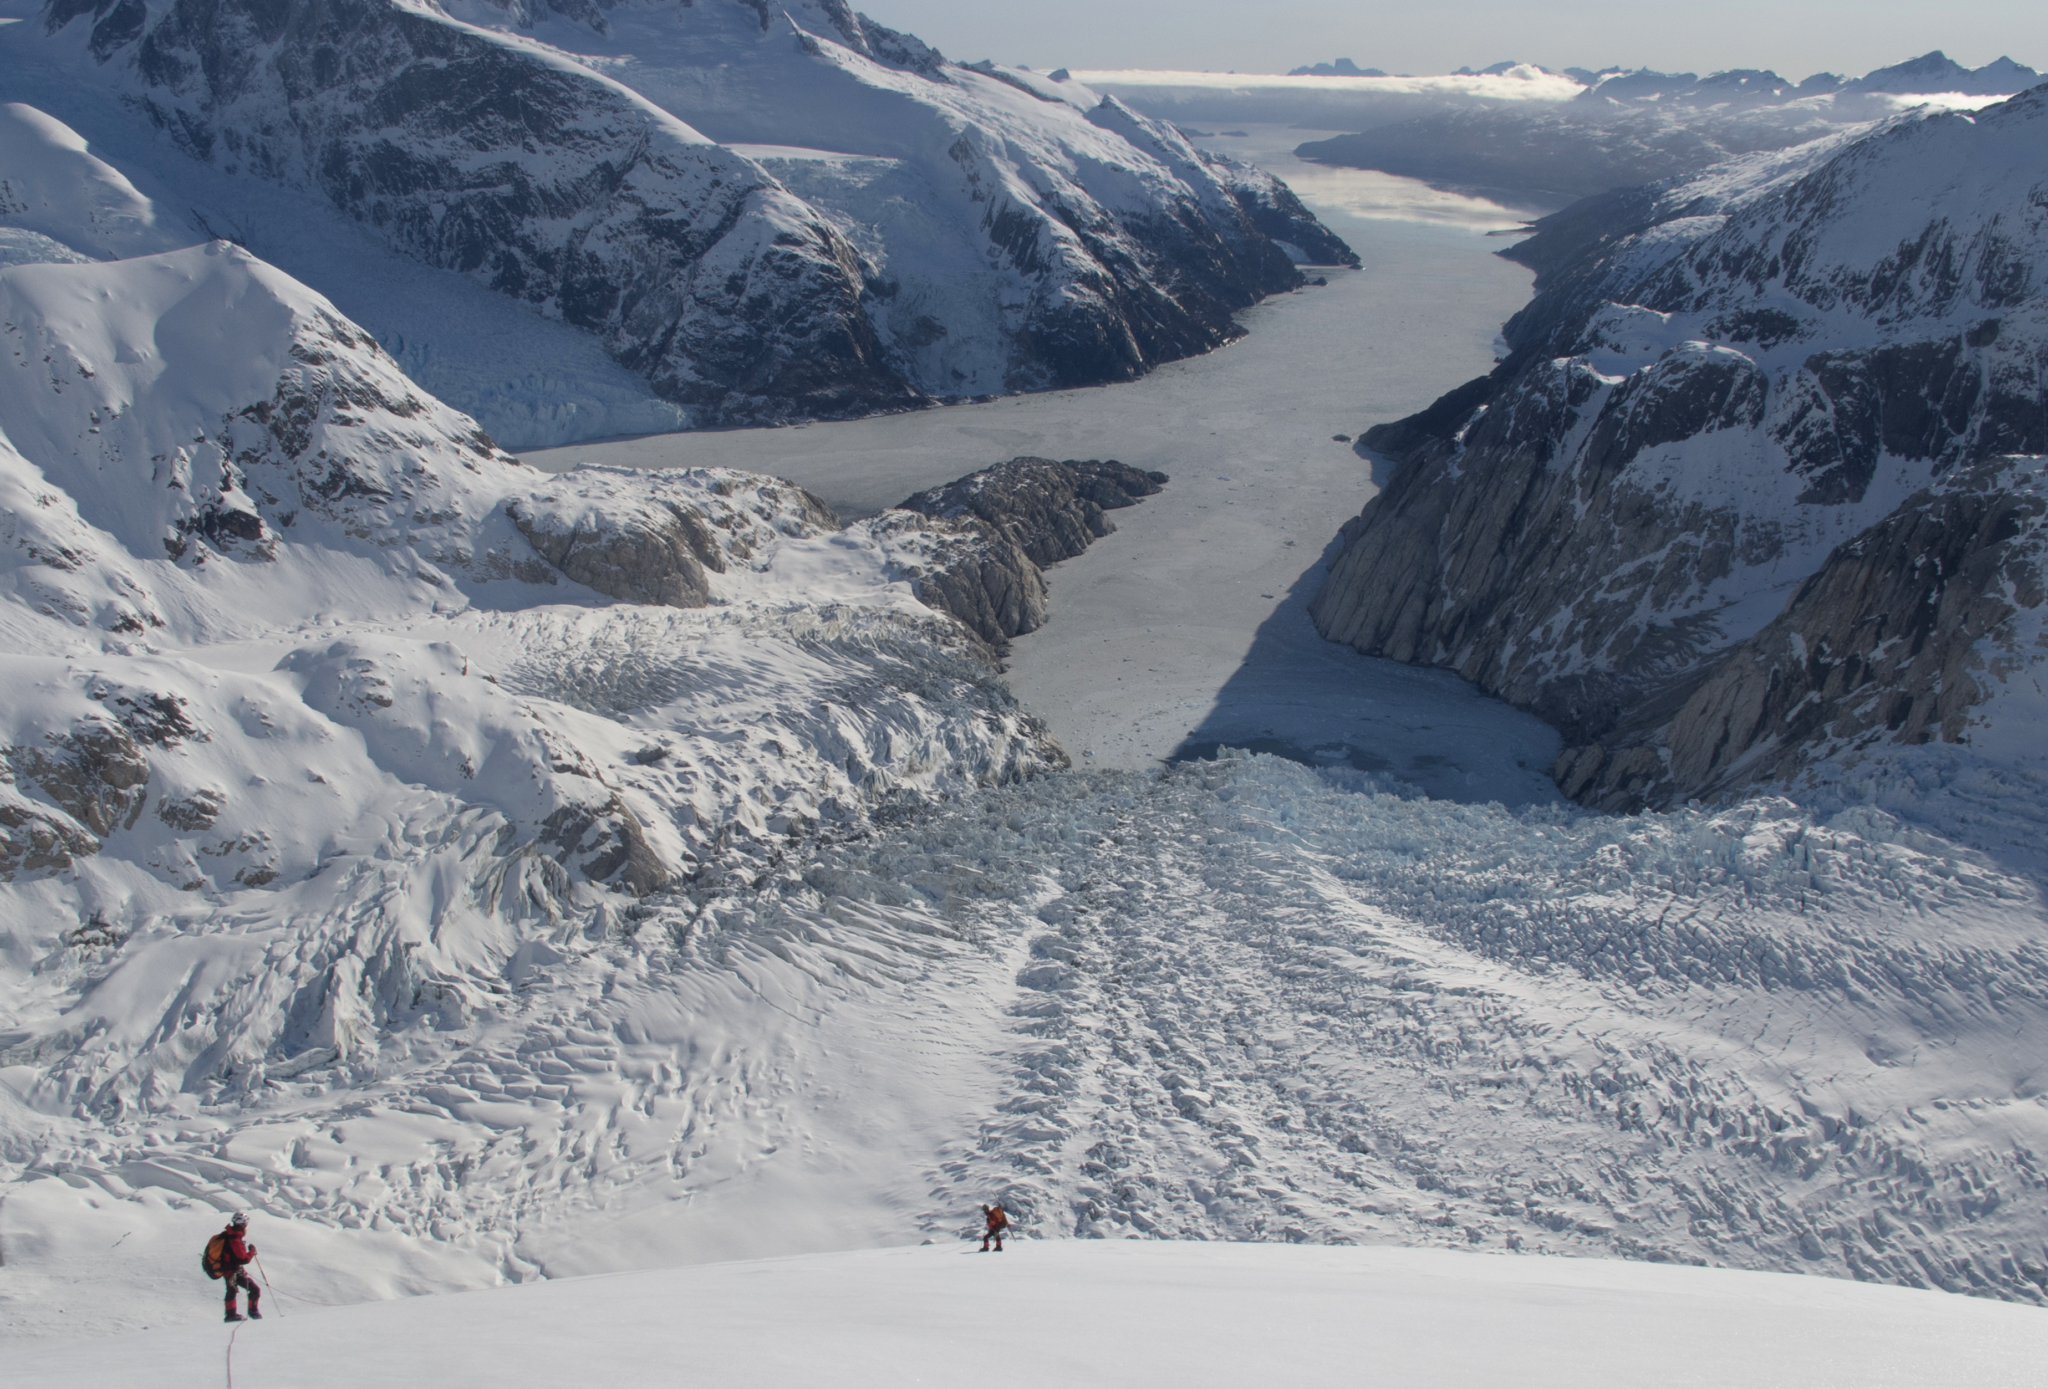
x=254, y=1313
x=232, y=1315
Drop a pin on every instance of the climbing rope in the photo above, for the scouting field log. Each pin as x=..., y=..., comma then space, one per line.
x=264, y=1274
x=231, y=1356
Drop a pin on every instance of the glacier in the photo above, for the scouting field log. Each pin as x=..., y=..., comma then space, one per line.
x=473, y=924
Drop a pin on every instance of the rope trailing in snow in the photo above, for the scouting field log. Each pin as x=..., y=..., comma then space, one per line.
x=231, y=1356
x=268, y=1287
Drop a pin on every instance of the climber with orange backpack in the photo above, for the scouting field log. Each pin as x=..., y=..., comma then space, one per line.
x=997, y=1223
x=227, y=1257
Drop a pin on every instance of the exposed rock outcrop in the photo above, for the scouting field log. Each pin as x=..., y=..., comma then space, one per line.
x=1903, y=637
x=993, y=531
x=974, y=548
x=1052, y=510
x=968, y=569
x=1719, y=384
x=655, y=537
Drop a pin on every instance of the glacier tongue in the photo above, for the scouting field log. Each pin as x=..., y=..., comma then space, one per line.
x=1239, y=1000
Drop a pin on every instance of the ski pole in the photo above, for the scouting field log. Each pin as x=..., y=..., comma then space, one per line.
x=264, y=1274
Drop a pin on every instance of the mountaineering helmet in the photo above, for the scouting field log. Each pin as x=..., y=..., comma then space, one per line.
x=239, y=1221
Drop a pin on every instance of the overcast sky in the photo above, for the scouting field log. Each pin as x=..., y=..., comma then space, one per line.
x=1796, y=37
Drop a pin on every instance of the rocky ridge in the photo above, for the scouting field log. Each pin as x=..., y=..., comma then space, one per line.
x=1719, y=383
x=1907, y=635
x=1009, y=523
x=536, y=177
x=1061, y=241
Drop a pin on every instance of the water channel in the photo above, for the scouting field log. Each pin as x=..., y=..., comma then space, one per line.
x=1189, y=627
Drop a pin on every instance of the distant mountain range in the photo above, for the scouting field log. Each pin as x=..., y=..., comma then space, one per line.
x=1929, y=73
x=1630, y=127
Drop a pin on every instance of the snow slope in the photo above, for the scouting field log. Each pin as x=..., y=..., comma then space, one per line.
x=528, y=380
x=1118, y=1314
x=53, y=188
x=304, y=736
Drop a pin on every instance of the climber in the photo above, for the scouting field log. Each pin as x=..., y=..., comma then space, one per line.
x=227, y=1257
x=998, y=1221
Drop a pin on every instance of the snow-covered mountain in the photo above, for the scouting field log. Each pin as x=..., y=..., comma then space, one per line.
x=59, y=202
x=290, y=641
x=1727, y=385
x=486, y=876
x=920, y=230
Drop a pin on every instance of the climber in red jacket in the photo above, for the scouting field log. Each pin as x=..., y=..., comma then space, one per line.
x=228, y=1255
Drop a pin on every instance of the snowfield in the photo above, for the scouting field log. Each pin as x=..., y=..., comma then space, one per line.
x=487, y=876
x=1150, y=1314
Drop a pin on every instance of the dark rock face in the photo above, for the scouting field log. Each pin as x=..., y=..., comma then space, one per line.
x=96, y=774
x=33, y=839
x=663, y=563
x=1052, y=511
x=60, y=797
x=607, y=844
x=1274, y=209
x=1489, y=554
x=1902, y=633
x=538, y=179
x=696, y=268
x=969, y=570
x=1010, y=521
x=1694, y=417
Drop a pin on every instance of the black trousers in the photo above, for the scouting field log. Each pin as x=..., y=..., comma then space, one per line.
x=239, y=1278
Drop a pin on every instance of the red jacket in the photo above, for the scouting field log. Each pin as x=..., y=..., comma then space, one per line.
x=998, y=1218
x=235, y=1250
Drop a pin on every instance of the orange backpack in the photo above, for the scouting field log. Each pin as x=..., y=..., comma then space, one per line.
x=215, y=1259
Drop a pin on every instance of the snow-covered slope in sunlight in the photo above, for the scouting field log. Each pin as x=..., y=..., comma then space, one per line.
x=58, y=201
x=1240, y=1000
x=313, y=738
x=1132, y=1316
